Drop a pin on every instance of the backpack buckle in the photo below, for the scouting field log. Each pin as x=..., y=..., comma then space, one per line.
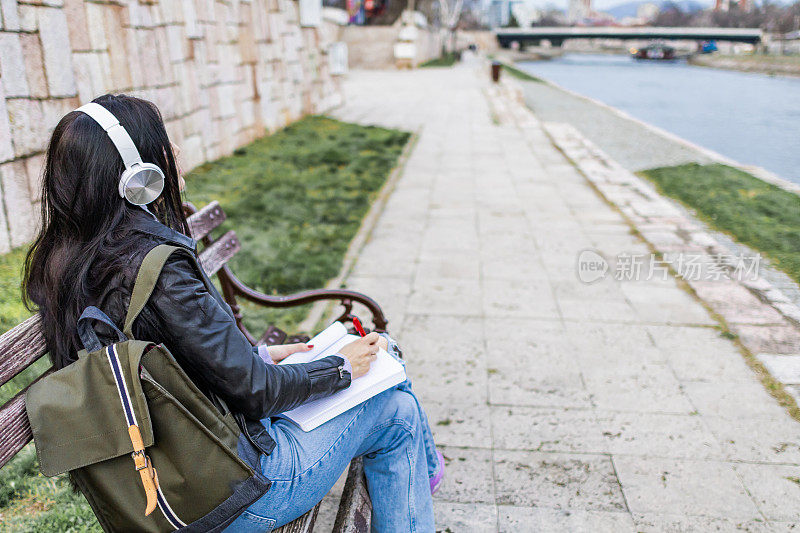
x=140, y=460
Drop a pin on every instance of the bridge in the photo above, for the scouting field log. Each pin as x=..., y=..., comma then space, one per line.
x=557, y=35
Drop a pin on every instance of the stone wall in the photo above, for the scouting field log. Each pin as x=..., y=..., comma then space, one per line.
x=223, y=72
x=372, y=47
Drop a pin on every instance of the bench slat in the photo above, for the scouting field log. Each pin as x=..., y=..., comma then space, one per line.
x=355, y=509
x=20, y=347
x=15, y=429
x=215, y=256
x=205, y=220
x=304, y=524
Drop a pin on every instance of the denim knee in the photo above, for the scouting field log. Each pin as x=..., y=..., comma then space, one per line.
x=400, y=405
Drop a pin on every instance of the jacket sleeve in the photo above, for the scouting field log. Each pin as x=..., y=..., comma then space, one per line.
x=208, y=345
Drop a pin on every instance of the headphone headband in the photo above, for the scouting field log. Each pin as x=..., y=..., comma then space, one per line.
x=140, y=183
x=120, y=138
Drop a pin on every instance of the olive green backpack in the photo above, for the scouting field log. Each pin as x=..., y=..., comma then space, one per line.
x=146, y=447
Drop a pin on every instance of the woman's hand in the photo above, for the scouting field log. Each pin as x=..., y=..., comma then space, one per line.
x=361, y=353
x=279, y=352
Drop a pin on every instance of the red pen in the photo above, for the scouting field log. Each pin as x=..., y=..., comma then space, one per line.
x=359, y=327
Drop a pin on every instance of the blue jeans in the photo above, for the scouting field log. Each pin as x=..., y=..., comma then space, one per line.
x=389, y=430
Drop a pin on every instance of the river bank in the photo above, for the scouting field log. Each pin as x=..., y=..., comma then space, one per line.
x=639, y=147
x=752, y=124
x=759, y=63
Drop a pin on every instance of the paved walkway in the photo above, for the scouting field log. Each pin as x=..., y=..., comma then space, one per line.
x=560, y=406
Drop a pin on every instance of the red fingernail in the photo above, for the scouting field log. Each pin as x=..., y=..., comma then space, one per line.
x=309, y=346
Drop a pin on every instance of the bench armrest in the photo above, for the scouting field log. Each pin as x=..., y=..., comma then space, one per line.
x=346, y=297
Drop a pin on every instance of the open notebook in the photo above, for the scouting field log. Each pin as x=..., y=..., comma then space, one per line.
x=384, y=373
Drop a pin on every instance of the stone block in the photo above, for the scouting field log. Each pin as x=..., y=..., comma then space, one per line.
x=26, y=120
x=88, y=75
x=174, y=131
x=192, y=152
x=34, y=166
x=162, y=67
x=725, y=400
x=468, y=472
x=57, y=52
x=141, y=15
x=735, y=303
x=775, y=489
x=247, y=45
x=10, y=16
x=674, y=523
x=790, y=311
x=780, y=339
x=171, y=12
x=52, y=112
x=12, y=65
x=6, y=146
x=28, y=20
x=147, y=55
x=657, y=435
x=632, y=384
x=75, y=11
x=784, y=368
x=547, y=429
x=22, y=222
x=545, y=382
x=769, y=439
x=118, y=53
x=557, y=481
x=34, y=64
x=668, y=486
x=193, y=29
x=517, y=519
x=96, y=25
x=458, y=424
x=477, y=518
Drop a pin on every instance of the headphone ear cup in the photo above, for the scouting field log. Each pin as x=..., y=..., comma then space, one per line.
x=141, y=184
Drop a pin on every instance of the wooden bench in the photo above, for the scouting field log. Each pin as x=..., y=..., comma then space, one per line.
x=24, y=344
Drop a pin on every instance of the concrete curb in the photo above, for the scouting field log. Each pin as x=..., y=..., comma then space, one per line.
x=760, y=315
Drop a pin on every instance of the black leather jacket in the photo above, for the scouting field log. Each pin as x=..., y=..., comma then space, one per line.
x=198, y=328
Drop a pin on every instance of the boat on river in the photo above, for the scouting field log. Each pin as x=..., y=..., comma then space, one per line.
x=654, y=52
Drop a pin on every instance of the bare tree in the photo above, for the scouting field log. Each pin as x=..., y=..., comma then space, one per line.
x=449, y=15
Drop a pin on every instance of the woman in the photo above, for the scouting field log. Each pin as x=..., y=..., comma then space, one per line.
x=88, y=252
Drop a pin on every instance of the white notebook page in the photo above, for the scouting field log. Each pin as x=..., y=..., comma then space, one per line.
x=384, y=373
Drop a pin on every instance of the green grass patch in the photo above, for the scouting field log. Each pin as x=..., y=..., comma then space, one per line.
x=12, y=312
x=446, y=60
x=295, y=199
x=756, y=213
x=520, y=74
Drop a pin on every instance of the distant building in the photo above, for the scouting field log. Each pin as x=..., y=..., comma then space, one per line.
x=579, y=10
x=500, y=12
x=725, y=5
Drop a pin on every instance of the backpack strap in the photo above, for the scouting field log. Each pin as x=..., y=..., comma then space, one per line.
x=149, y=271
x=146, y=279
x=87, y=333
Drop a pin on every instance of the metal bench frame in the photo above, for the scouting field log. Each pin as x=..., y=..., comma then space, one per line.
x=24, y=344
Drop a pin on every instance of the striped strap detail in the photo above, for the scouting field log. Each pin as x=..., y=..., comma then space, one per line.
x=166, y=510
x=122, y=387
x=155, y=496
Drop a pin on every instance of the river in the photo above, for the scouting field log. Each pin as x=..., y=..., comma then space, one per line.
x=751, y=118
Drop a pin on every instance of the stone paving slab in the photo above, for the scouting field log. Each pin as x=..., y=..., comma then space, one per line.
x=559, y=405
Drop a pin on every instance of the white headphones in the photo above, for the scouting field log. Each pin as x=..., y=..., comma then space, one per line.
x=140, y=183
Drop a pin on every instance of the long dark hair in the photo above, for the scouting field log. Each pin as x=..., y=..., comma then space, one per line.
x=85, y=238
